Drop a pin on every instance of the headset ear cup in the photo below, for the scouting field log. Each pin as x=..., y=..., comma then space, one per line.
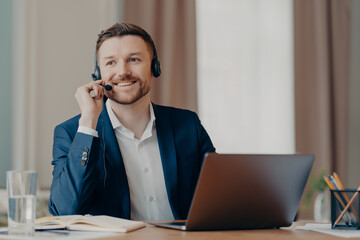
x=96, y=75
x=155, y=67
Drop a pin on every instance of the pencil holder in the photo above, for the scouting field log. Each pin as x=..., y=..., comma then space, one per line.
x=339, y=202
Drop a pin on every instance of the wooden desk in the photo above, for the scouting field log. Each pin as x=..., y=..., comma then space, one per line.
x=151, y=232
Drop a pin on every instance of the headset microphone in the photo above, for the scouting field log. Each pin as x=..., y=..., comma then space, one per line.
x=107, y=87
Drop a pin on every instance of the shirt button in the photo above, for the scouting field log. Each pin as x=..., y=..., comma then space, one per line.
x=151, y=198
x=146, y=170
x=140, y=145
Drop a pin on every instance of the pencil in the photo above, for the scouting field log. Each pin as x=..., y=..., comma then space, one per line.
x=332, y=187
x=341, y=186
x=341, y=195
x=342, y=205
x=347, y=207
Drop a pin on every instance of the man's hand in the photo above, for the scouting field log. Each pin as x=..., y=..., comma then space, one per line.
x=90, y=104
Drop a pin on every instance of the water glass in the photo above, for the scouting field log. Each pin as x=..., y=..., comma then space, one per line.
x=21, y=188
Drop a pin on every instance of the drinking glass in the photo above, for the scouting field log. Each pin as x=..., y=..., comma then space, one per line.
x=21, y=188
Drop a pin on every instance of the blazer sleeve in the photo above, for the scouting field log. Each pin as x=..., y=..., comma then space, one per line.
x=75, y=157
x=205, y=143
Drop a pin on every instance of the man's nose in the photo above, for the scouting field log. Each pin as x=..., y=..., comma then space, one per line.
x=123, y=70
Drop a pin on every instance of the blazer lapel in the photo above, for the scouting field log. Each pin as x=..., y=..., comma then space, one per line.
x=114, y=159
x=168, y=155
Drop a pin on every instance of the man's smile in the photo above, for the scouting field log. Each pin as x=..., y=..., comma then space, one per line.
x=123, y=84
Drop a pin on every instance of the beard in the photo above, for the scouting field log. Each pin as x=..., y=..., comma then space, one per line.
x=130, y=97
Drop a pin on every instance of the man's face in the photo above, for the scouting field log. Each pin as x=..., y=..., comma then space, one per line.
x=125, y=64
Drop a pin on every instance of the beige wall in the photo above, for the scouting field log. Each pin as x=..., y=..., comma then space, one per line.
x=354, y=98
x=53, y=54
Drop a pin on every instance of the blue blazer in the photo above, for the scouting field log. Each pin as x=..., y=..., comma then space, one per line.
x=89, y=176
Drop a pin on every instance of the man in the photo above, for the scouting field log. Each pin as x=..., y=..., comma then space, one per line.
x=125, y=156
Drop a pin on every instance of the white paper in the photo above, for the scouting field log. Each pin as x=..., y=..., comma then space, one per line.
x=58, y=234
x=326, y=228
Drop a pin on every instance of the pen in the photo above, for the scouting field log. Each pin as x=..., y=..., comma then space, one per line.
x=337, y=187
x=341, y=187
x=347, y=207
x=332, y=187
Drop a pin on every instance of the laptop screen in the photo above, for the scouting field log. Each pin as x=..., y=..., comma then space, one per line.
x=246, y=191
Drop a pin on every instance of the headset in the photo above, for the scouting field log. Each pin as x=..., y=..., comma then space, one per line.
x=155, y=66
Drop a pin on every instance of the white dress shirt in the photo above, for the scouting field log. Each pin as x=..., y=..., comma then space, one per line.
x=148, y=195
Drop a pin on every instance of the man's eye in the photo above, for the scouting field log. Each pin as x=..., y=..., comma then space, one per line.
x=134, y=59
x=112, y=62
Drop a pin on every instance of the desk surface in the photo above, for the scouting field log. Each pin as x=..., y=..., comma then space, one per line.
x=151, y=232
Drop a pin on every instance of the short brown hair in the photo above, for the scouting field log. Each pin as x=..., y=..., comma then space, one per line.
x=122, y=29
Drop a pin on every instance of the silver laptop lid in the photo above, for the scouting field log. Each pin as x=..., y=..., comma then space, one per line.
x=246, y=191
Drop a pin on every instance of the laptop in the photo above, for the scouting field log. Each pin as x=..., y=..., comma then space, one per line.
x=246, y=191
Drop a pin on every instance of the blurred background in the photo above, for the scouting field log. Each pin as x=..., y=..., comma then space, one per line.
x=265, y=76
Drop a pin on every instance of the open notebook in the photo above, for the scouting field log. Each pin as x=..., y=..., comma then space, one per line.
x=243, y=191
x=87, y=223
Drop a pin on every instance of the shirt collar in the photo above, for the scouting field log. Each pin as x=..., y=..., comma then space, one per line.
x=117, y=125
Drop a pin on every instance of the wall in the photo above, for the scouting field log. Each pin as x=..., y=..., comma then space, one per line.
x=354, y=98
x=5, y=89
x=54, y=52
